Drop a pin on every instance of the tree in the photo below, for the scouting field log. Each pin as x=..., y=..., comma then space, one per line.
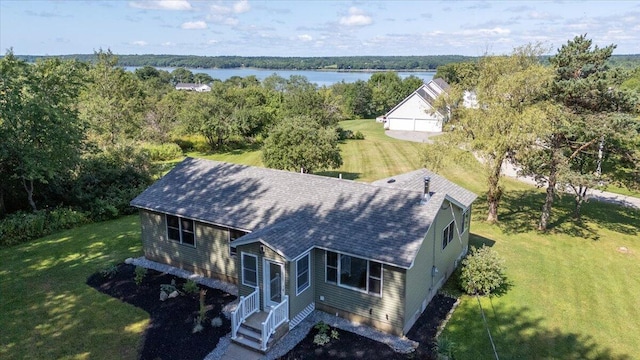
x=464, y=74
x=112, y=102
x=209, y=115
x=587, y=129
x=181, y=75
x=39, y=125
x=301, y=143
x=509, y=116
x=387, y=91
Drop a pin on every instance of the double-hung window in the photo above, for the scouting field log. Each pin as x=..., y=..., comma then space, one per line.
x=249, y=270
x=302, y=274
x=447, y=234
x=354, y=272
x=181, y=230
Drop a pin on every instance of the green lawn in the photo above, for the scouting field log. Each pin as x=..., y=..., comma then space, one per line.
x=48, y=312
x=574, y=294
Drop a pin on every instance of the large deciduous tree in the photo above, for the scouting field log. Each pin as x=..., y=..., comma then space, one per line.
x=39, y=125
x=588, y=136
x=301, y=143
x=113, y=102
x=508, y=116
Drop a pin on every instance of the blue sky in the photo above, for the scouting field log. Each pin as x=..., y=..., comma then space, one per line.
x=311, y=28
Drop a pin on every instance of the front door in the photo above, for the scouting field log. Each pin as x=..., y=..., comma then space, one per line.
x=274, y=283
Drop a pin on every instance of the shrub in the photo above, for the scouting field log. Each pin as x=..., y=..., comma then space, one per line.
x=190, y=287
x=169, y=288
x=358, y=136
x=216, y=322
x=163, y=152
x=140, y=272
x=482, y=272
x=108, y=181
x=322, y=337
x=22, y=226
x=109, y=272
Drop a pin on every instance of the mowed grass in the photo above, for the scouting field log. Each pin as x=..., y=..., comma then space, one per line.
x=47, y=310
x=574, y=293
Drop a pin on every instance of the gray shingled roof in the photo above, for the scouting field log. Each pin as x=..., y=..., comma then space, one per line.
x=443, y=84
x=293, y=212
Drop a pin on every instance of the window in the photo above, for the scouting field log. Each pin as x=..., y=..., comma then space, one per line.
x=465, y=221
x=302, y=274
x=181, y=230
x=447, y=234
x=233, y=235
x=354, y=272
x=249, y=270
x=332, y=267
x=375, y=278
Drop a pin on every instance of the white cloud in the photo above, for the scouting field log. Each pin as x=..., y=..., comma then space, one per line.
x=168, y=43
x=496, y=31
x=212, y=41
x=194, y=25
x=237, y=8
x=356, y=17
x=305, y=37
x=241, y=7
x=139, y=43
x=161, y=4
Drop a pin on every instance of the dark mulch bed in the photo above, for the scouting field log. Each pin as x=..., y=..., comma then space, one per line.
x=352, y=346
x=169, y=334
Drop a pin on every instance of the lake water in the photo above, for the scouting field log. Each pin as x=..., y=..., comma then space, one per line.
x=320, y=78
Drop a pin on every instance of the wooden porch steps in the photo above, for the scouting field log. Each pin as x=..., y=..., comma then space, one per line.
x=250, y=332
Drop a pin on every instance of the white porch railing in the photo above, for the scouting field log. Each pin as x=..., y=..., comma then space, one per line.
x=247, y=306
x=277, y=316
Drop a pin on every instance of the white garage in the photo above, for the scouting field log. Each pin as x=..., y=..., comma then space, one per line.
x=416, y=112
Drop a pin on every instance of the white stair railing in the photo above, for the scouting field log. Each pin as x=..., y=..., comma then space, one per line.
x=277, y=316
x=246, y=306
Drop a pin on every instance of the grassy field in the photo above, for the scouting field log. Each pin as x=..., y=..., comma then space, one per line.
x=574, y=292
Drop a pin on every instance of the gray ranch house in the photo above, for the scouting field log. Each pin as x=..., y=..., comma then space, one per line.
x=373, y=253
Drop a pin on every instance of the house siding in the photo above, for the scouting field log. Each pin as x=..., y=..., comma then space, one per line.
x=210, y=256
x=297, y=303
x=384, y=312
x=421, y=285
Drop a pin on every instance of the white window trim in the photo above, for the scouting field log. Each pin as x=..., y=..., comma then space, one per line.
x=338, y=283
x=308, y=285
x=181, y=242
x=242, y=269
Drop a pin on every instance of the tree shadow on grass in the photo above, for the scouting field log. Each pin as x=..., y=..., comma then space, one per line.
x=520, y=212
x=518, y=335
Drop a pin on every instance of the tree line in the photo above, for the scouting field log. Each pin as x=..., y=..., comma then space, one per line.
x=277, y=63
x=336, y=63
